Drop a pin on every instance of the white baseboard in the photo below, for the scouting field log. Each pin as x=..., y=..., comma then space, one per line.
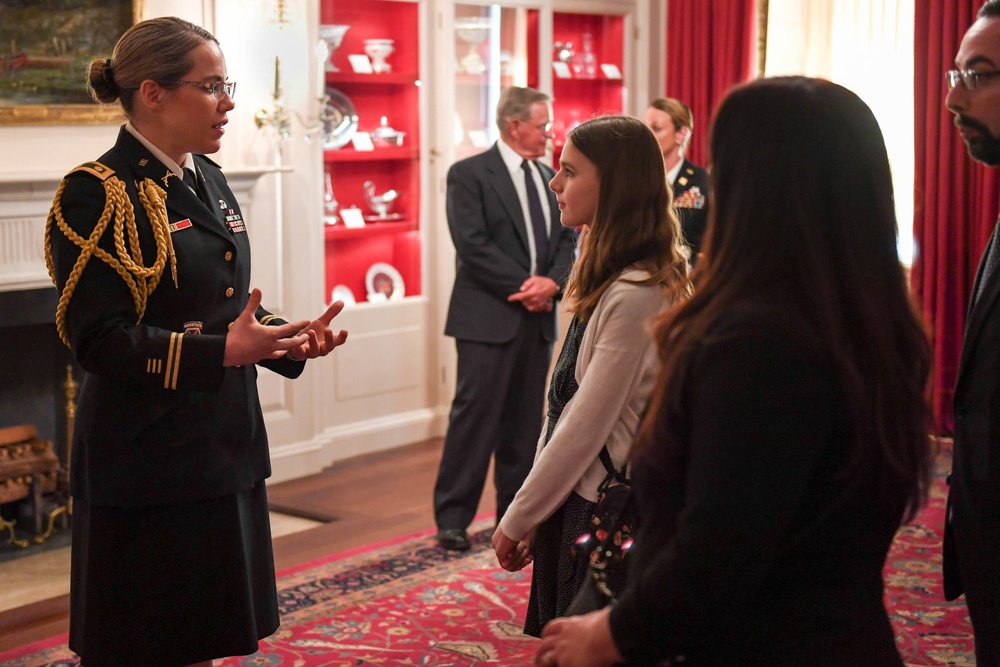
x=299, y=459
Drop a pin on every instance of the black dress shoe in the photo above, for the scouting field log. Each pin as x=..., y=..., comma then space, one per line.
x=454, y=539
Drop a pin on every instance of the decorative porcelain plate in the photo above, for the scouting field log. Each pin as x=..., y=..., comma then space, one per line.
x=342, y=293
x=341, y=121
x=384, y=282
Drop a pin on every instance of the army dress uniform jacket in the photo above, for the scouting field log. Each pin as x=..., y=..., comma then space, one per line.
x=691, y=202
x=160, y=419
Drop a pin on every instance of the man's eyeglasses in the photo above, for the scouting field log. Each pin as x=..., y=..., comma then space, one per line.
x=545, y=127
x=216, y=88
x=969, y=79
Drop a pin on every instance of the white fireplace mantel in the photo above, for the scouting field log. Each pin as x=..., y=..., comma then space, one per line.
x=25, y=199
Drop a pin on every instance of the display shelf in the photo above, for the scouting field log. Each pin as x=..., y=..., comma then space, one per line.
x=338, y=232
x=349, y=154
x=586, y=49
x=384, y=78
x=349, y=258
x=395, y=95
x=374, y=19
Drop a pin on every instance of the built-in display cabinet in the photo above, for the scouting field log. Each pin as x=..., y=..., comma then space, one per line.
x=371, y=155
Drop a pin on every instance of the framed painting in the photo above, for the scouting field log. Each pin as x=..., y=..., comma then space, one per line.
x=46, y=47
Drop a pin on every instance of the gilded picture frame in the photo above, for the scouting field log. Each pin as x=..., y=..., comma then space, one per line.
x=46, y=47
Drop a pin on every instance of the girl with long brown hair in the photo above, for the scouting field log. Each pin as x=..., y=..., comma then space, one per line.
x=610, y=183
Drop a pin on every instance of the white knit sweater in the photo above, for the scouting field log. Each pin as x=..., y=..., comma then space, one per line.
x=616, y=370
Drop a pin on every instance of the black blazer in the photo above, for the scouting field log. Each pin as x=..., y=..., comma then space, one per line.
x=972, y=540
x=691, y=202
x=159, y=418
x=754, y=548
x=491, y=250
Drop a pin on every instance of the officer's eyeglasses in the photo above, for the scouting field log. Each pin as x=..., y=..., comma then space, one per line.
x=970, y=80
x=216, y=88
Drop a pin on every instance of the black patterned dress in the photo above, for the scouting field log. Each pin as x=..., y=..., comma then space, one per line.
x=557, y=574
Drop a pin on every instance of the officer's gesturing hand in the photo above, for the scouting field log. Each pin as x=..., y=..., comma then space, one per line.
x=249, y=341
x=322, y=340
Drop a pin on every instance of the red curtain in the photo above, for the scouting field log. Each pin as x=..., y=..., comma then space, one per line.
x=711, y=46
x=955, y=198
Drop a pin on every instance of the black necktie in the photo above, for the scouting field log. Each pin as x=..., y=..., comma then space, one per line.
x=192, y=182
x=992, y=259
x=537, y=218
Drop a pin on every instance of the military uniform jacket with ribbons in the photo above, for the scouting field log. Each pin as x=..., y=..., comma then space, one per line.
x=691, y=201
x=159, y=418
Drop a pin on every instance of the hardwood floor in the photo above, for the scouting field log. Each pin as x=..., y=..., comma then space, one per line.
x=365, y=500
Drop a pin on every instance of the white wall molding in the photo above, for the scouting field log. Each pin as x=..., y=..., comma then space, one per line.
x=354, y=439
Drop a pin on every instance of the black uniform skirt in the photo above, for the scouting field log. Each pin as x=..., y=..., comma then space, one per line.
x=171, y=585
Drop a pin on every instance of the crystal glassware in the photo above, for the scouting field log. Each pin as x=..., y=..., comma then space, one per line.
x=472, y=30
x=378, y=50
x=330, y=203
x=585, y=67
x=333, y=35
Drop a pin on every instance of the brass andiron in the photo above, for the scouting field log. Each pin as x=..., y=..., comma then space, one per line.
x=66, y=509
x=9, y=526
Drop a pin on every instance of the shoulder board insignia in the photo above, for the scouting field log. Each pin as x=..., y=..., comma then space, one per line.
x=96, y=169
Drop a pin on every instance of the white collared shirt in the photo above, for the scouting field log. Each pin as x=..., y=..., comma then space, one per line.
x=513, y=162
x=676, y=169
x=160, y=155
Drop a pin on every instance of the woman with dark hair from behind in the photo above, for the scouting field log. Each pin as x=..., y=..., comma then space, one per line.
x=787, y=438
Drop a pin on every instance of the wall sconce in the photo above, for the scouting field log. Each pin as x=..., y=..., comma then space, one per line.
x=277, y=117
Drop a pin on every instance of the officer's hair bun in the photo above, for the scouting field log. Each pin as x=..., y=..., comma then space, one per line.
x=102, y=81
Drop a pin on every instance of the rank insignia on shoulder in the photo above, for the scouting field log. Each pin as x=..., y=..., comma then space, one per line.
x=192, y=327
x=143, y=162
x=95, y=169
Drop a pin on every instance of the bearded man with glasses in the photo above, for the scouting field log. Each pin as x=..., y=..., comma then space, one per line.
x=972, y=527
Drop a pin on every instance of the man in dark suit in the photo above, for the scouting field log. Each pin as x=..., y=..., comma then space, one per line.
x=512, y=260
x=972, y=529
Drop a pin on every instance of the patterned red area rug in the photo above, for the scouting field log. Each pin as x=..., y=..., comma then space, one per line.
x=929, y=631
x=412, y=603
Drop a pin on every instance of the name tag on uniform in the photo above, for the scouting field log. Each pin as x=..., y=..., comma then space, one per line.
x=179, y=225
x=235, y=222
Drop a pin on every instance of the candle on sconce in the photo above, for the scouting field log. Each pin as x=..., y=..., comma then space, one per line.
x=322, y=54
x=277, y=78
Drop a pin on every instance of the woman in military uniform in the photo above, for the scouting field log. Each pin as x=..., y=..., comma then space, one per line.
x=172, y=561
x=672, y=124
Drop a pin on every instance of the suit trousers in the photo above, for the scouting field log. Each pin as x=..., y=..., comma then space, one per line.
x=497, y=411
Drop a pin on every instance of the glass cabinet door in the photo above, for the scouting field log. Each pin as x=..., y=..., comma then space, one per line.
x=371, y=155
x=495, y=47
